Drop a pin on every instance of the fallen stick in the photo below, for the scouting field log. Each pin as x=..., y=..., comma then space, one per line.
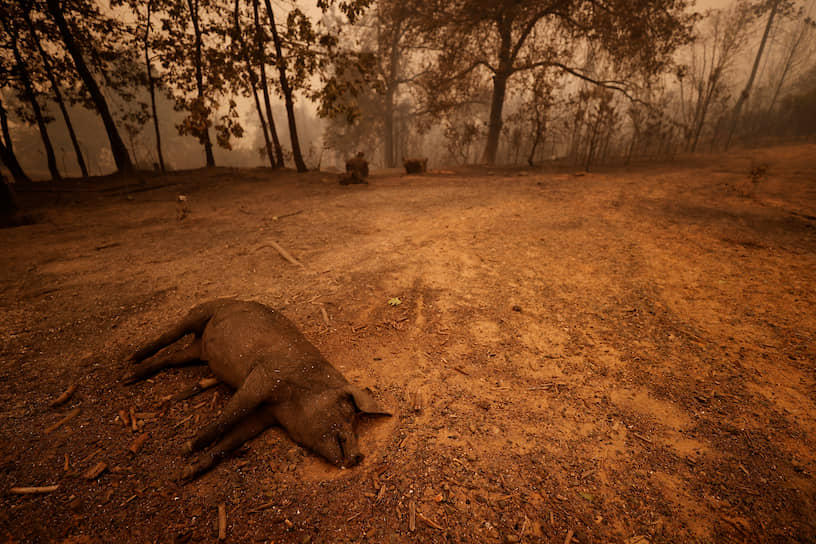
x=33, y=490
x=138, y=442
x=636, y=435
x=134, y=424
x=412, y=516
x=569, y=537
x=222, y=521
x=202, y=385
x=325, y=315
x=260, y=508
x=93, y=472
x=63, y=398
x=68, y=417
x=285, y=254
x=430, y=522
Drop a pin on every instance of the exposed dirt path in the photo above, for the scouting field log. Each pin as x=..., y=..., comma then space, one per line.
x=619, y=356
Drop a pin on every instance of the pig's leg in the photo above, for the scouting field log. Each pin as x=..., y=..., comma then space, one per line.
x=180, y=358
x=253, y=425
x=249, y=396
x=193, y=323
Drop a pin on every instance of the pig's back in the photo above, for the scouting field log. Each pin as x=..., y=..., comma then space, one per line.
x=242, y=335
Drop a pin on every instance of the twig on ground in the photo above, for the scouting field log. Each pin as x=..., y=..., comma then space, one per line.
x=222, y=521
x=283, y=253
x=63, y=398
x=68, y=417
x=33, y=490
x=93, y=472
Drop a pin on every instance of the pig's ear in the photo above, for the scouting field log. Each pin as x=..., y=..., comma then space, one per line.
x=364, y=401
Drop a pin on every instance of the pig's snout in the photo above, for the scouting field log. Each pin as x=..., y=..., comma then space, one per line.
x=353, y=460
x=350, y=452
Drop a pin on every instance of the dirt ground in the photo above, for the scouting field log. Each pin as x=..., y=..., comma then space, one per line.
x=621, y=356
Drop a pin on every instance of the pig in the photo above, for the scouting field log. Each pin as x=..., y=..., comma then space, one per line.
x=279, y=378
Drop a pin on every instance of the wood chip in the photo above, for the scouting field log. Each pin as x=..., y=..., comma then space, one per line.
x=134, y=426
x=324, y=314
x=124, y=418
x=430, y=522
x=94, y=472
x=138, y=442
x=222, y=521
x=569, y=536
x=412, y=516
x=63, y=398
x=68, y=417
x=33, y=490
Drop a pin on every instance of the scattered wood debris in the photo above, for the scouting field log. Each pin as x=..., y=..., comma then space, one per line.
x=33, y=490
x=222, y=521
x=138, y=442
x=94, y=472
x=63, y=398
x=68, y=417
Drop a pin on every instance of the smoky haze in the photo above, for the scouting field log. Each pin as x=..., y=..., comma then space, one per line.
x=398, y=80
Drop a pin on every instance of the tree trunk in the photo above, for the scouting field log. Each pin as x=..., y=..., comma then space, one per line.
x=390, y=93
x=118, y=149
x=151, y=85
x=57, y=94
x=199, y=76
x=287, y=92
x=494, y=126
x=7, y=151
x=536, y=141
x=273, y=131
x=35, y=106
x=744, y=95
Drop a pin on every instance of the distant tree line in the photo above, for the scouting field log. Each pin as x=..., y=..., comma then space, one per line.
x=496, y=82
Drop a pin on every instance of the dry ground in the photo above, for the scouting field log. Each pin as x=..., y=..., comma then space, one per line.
x=623, y=356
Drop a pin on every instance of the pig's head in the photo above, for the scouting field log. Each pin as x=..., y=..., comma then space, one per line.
x=325, y=423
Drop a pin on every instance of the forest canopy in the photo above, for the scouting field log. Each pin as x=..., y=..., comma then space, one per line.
x=89, y=87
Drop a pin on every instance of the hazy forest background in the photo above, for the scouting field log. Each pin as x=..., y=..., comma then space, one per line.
x=90, y=87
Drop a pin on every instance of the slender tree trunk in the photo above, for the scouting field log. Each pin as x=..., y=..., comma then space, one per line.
x=151, y=86
x=57, y=94
x=118, y=149
x=244, y=54
x=199, y=76
x=735, y=117
x=390, y=93
x=7, y=151
x=273, y=131
x=539, y=130
x=35, y=106
x=287, y=92
x=495, y=122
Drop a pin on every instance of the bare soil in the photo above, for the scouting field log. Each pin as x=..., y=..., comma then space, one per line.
x=620, y=356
